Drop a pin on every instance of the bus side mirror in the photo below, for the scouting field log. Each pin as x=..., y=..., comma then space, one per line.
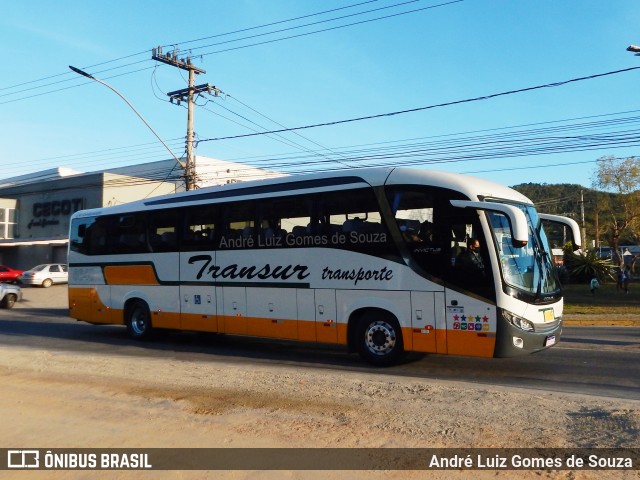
x=576, y=240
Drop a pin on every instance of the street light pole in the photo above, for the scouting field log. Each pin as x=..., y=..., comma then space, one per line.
x=85, y=74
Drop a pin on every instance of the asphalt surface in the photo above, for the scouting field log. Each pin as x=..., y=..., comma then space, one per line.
x=55, y=297
x=592, y=360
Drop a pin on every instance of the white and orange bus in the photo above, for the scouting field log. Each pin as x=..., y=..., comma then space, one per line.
x=380, y=260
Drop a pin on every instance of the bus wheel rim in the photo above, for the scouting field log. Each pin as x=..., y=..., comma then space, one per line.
x=138, y=322
x=380, y=338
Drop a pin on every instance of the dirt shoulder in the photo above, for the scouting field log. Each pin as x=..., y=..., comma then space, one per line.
x=58, y=399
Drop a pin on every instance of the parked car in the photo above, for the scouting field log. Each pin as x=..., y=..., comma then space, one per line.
x=8, y=274
x=9, y=295
x=45, y=275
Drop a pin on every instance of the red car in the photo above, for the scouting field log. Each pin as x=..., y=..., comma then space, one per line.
x=8, y=274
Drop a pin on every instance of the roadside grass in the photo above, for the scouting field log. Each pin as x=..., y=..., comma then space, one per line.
x=607, y=300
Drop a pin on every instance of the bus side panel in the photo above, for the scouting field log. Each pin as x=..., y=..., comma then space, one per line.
x=162, y=300
x=234, y=310
x=150, y=278
x=272, y=312
x=89, y=296
x=100, y=300
x=85, y=303
x=306, y=303
x=423, y=321
x=441, y=323
x=398, y=303
x=80, y=303
x=198, y=302
x=471, y=326
x=326, y=325
x=198, y=307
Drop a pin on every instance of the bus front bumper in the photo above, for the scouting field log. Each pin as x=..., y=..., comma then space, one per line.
x=513, y=341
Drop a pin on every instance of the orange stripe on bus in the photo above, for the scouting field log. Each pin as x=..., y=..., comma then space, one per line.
x=130, y=275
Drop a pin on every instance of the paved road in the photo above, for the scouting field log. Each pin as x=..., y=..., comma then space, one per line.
x=589, y=360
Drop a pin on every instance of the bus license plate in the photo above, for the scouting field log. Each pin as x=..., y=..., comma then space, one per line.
x=548, y=315
x=551, y=340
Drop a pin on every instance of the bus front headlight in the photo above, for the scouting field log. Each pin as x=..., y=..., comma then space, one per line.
x=517, y=321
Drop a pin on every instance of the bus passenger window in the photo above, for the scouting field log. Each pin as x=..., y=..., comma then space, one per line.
x=162, y=230
x=286, y=222
x=351, y=220
x=199, y=228
x=130, y=234
x=238, y=226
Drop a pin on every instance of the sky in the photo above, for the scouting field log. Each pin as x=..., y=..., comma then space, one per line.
x=284, y=64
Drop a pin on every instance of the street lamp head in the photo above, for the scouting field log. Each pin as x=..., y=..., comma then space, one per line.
x=81, y=72
x=633, y=48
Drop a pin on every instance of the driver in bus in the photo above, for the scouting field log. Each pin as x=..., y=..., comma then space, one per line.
x=470, y=259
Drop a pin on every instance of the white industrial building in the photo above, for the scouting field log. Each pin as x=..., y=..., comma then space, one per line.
x=35, y=208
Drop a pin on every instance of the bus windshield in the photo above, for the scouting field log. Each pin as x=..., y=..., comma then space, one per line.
x=530, y=268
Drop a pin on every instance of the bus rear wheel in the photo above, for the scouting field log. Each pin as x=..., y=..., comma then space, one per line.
x=138, y=320
x=379, y=339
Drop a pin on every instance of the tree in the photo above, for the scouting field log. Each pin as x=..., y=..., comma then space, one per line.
x=621, y=176
x=584, y=265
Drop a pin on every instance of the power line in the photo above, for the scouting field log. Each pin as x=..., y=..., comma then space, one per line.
x=328, y=29
x=428, y=107
x=270, y=24
x=531, y=167
x=151, y=146
x=280, y=138
x=503, y=142
x=72, y=86
x=249, y=37
x=30, y=82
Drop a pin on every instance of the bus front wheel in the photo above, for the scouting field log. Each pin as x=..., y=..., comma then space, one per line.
x=138, y=319
x=379, y=339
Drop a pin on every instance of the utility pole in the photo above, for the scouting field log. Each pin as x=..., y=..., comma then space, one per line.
x=597, y=224
x=186, y=95
x=584, y=228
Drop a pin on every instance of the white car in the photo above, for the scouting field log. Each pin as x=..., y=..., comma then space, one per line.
x=46, y=275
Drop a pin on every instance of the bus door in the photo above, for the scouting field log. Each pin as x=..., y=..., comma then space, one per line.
x=471, y=325
x=470, y=293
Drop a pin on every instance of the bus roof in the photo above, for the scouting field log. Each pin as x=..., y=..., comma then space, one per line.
x=473, y=187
